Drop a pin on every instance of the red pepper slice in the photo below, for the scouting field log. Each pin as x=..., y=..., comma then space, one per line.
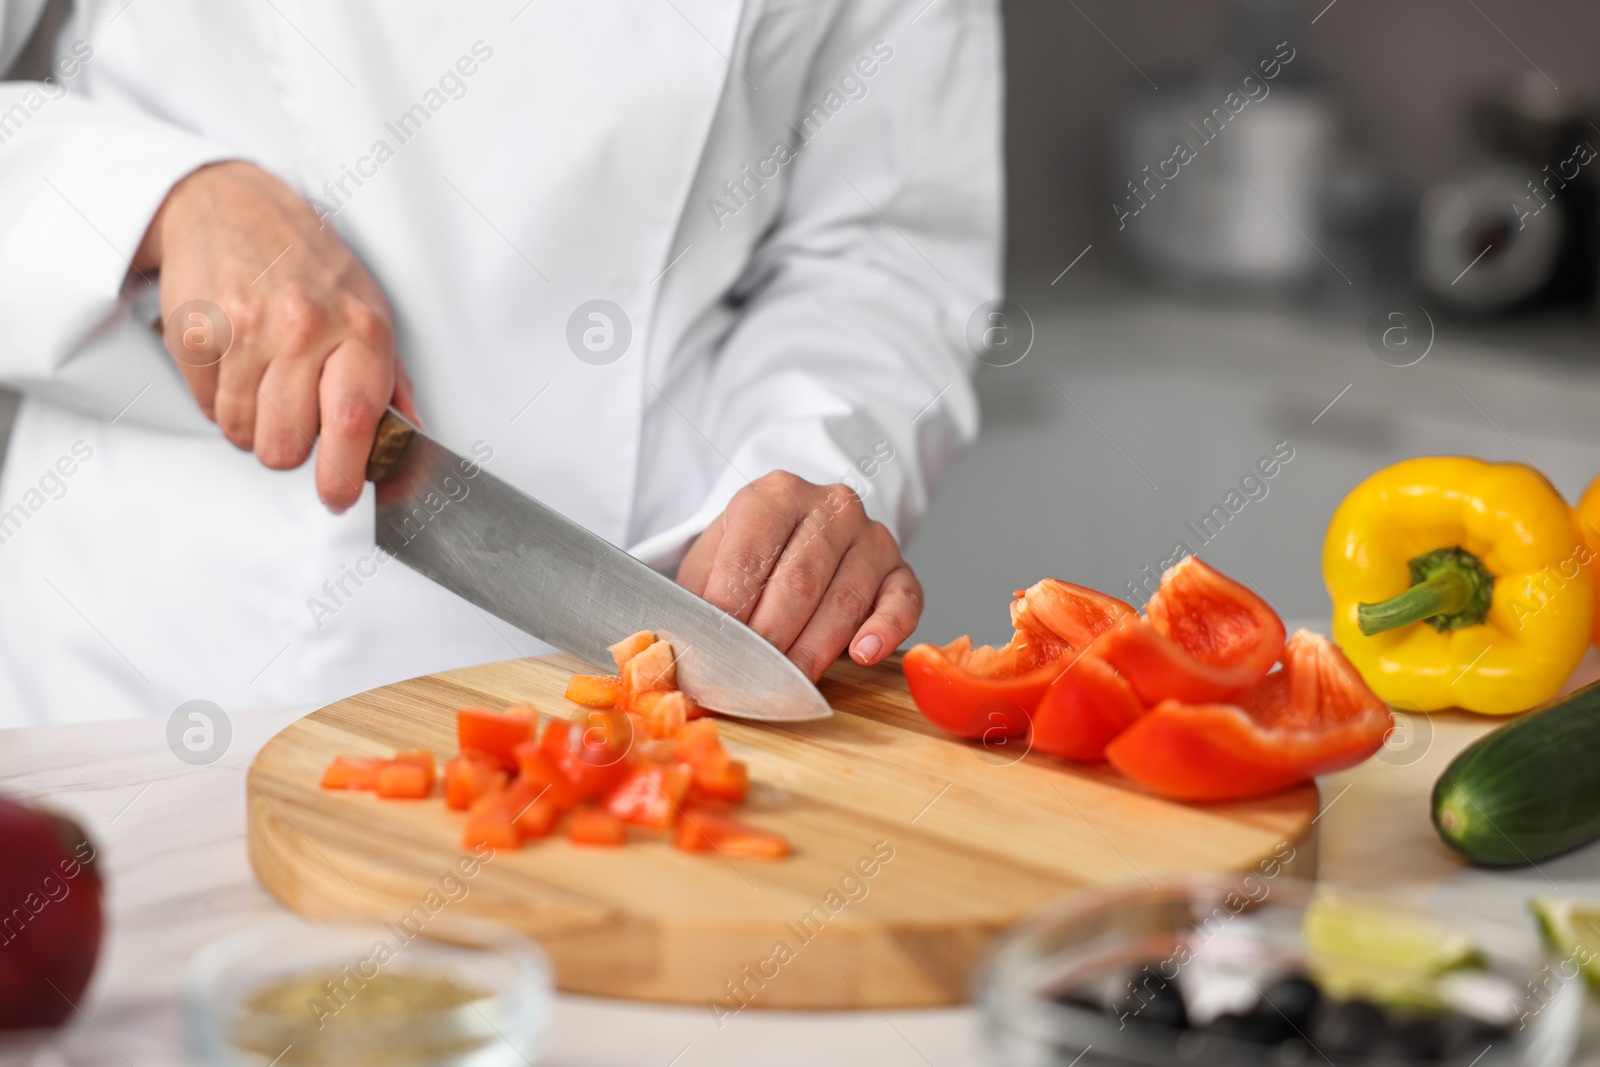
x=1087, y=706
x=1312, y=717
x=1204, y=638
x=991, y=692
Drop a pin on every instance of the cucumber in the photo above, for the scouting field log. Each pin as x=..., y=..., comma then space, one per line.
x=1527, y=791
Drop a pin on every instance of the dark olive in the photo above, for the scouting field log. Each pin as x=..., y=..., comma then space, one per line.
x=1296, y=997
x=1420, y=1038
x=1347, y=1027
x=1151, y=999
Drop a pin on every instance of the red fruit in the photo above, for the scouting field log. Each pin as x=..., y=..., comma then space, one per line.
x=50, y=917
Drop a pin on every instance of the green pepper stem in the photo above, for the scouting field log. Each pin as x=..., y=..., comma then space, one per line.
x=1444, y=593
x=1450, y=589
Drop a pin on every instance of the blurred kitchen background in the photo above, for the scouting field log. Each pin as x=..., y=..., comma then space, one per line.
x=1382, y=244
x=1379, y=240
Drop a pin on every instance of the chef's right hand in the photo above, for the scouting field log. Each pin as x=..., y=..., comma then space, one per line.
x=312, y=353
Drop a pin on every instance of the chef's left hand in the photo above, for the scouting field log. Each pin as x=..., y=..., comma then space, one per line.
x=805, y=568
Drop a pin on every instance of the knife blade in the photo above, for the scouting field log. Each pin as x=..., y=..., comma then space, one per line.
x=447, y=518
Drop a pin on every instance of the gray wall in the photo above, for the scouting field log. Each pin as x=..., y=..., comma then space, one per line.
x=1397, y=70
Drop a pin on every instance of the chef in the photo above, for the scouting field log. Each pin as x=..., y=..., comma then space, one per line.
x=695, y=273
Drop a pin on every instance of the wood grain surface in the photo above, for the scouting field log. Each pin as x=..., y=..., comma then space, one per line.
x=959, y=841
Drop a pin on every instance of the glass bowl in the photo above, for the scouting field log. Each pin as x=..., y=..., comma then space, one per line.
x=1044, y=992
x=452, y=993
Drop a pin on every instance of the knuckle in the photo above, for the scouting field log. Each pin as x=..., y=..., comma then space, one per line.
x=779, y=484
x=802, y=579
x=811, y=661
x=879, y=537
x=843, y=502
x=367, y=324
x=298, y=318
x=246, y=317
x=853, y=598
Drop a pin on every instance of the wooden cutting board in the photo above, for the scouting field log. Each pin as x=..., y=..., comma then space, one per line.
x=911, y=849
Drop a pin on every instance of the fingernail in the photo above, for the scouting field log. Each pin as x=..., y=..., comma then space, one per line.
x=868, y=647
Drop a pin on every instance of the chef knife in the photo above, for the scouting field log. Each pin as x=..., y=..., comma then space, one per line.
x=446, y=517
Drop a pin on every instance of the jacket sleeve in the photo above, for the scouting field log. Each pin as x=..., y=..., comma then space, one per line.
x=847, y=359
x=81, y=179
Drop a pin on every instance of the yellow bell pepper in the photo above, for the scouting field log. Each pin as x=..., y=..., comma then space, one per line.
x=1459, y=583
x=1589, y=525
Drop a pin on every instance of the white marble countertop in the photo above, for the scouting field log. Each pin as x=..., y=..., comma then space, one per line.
x=171, y=837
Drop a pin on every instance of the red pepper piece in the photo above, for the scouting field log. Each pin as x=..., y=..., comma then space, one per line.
x=631, y=646
x=1312, y=717
x=593, y=769
x=703, y=829
x=472, y=775
x=991, y=692
x=353, y=772
x=405, y=780
x=651, y=795
x=596, y=826
x=593, y=690
x=1205, y=638
x=492, y=821
x=493, y=732
x=1083, y=710
x=533, y=812
x=536, y=771
x=721, y=777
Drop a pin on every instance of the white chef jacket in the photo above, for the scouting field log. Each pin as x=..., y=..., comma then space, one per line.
x=795, y=203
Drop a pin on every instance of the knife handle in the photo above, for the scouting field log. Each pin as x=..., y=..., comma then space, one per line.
x=394, y=434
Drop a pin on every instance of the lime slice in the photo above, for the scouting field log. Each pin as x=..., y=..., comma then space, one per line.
x=1362, y=949
x=1573, y=931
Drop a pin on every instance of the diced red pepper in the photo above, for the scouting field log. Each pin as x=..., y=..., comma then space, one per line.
x=1314, y=716
x=533, y=812
x=589, y=779
x=1205, y=637
x=1087, y=706
x=654, y=669
x=696, y=741
x=492, y=821
x=497, y=733
x=650, y=796
x=472, y=775
x=353, y=772
x=664, y=711
x=406, y=779
x=977, y=692
x=631, y=646
x=594, y=690
x=537, y=771
x=555, y=739
x=702, y=829
x=595, y=826
x=721, y=776
x=656, y=750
